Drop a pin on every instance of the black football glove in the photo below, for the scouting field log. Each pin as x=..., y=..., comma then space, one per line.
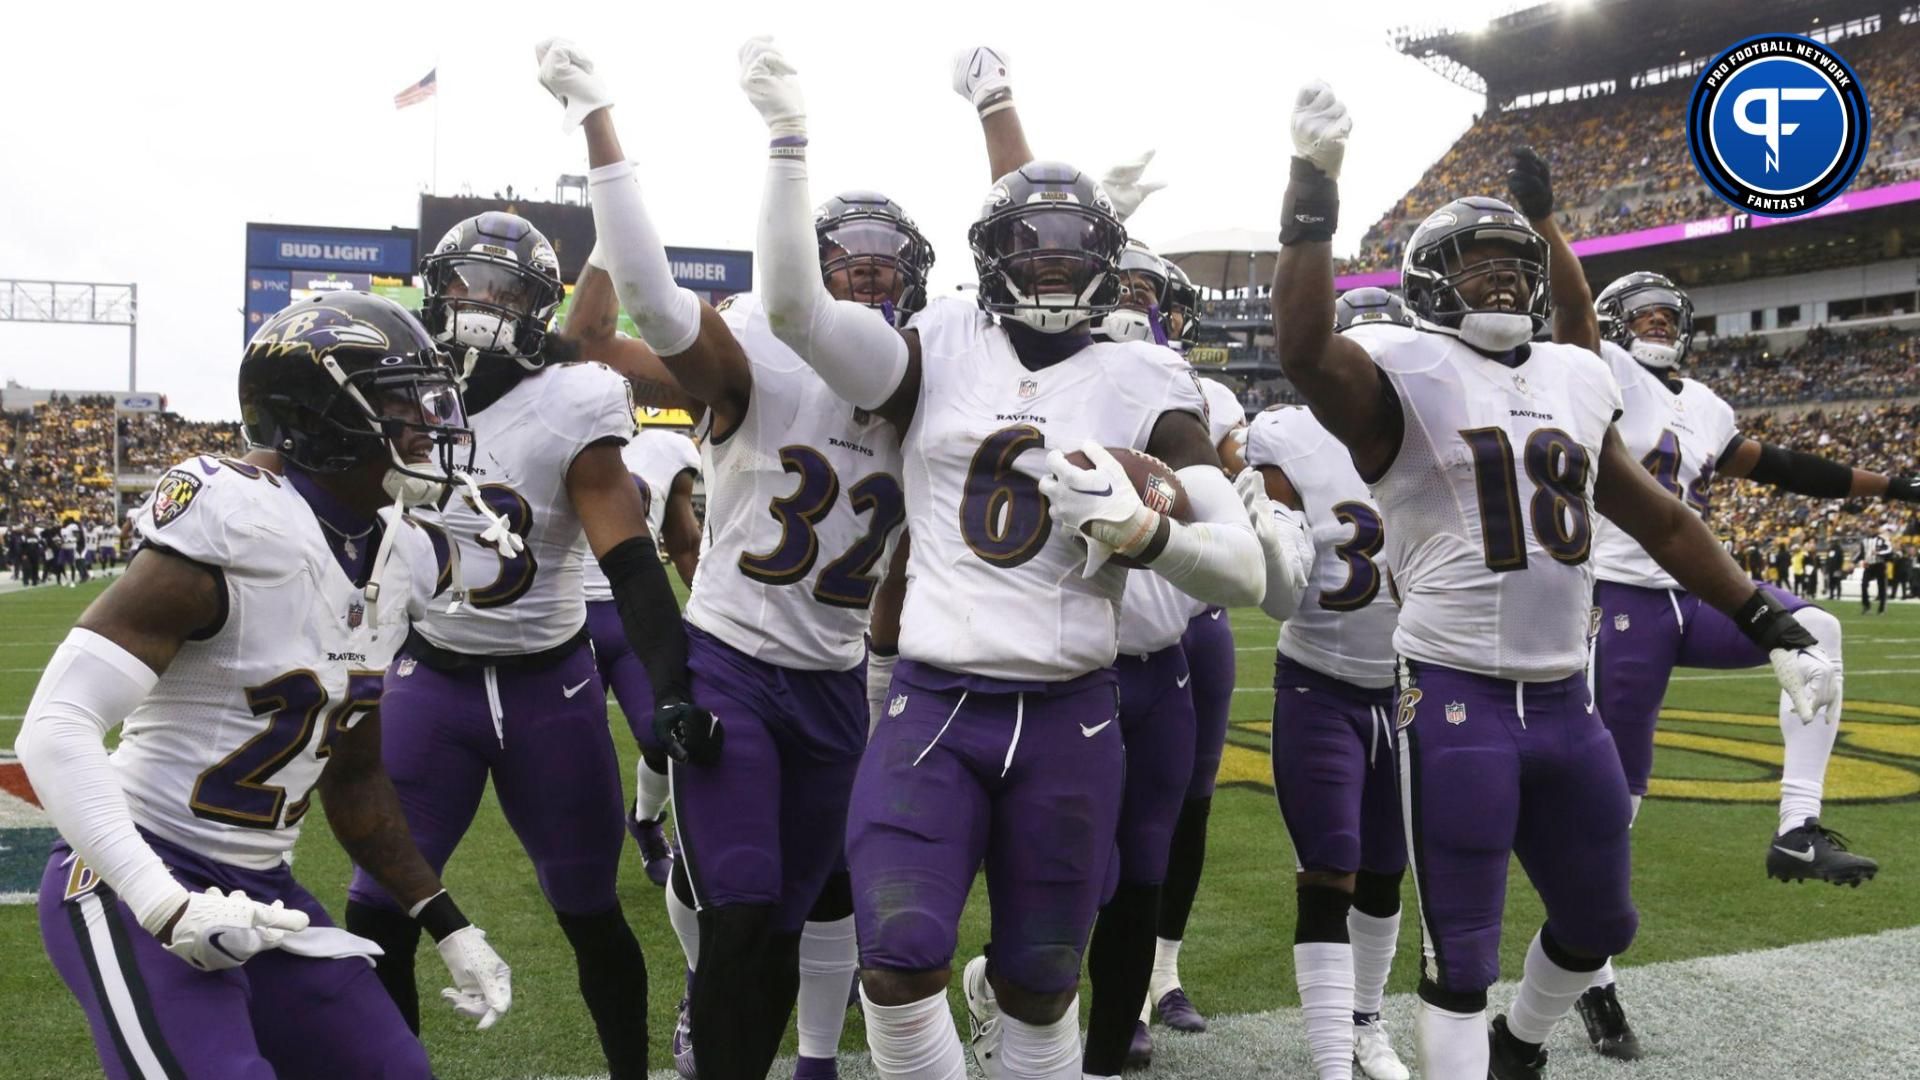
x=688, y=733
x=1903, y=489
x=1530, y=183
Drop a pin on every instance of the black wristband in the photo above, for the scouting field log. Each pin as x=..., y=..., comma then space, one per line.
x=441, y=916
x=1903, y=489
x=1771, y=626
x=1310, y=211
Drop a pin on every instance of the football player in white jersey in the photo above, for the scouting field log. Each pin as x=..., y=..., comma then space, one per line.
x=243, y=652
x=1334, y=767
x=803, y=500
x=1487, y=457
x=505, y=686
x=1685, y=434
x=999, y=742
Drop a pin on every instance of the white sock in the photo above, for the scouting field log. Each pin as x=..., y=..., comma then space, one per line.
x=1166, y=969
x=1324, y=972
x=651, y=792
x=1374, y=941
x=828, y=959
x=915, y=1041
x=1803, y=776
x=686, y=926
x=1041, y=1051
x=1451, y=1044
x=1547, y=993
x=1603, y=977
x=1634, y=814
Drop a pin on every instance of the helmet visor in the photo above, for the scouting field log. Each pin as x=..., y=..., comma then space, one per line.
x=498, y=286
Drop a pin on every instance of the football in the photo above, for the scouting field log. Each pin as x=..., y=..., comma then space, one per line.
x=1152, y=479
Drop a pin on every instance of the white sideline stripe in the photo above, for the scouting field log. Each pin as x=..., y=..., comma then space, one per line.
x=119, y=999
x=1826, y=1008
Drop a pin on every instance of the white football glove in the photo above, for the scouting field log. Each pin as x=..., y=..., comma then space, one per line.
x=1320, y=128
x=1125, y=187
x=773, y=86
x=1283, y=537
x=1098, y=504
x=979, y=72
x=1812, y=681
x=568, y=75
x=218, y=930
x=482, y=982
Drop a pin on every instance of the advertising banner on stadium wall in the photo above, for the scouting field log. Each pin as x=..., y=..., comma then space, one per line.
x=1720, y=225
x=286, y=263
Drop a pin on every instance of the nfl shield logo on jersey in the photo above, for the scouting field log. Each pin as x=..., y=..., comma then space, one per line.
x=1456, y=712
x=355, y=613
x=1621, y=622
x=1028, y=388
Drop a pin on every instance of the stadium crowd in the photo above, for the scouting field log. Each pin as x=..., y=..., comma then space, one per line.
x=1827, y=366
x=59, y=463
x=1605, y=174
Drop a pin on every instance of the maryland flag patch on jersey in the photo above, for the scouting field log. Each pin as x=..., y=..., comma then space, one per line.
x=175, y=492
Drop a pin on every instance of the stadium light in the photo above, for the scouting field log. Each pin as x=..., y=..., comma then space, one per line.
x=77, y=303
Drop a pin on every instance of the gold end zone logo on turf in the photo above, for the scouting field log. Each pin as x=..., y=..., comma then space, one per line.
x=1778, y=125
x=1703, y=755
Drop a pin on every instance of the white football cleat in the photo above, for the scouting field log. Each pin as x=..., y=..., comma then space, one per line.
x=983, y=1018
x=1373, y=1053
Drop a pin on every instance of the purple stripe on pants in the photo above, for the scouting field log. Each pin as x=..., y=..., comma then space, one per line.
x=1335, y=772
x=276, y=1015
x=1644, y=635
x=1025, y=776
x=1211, y=657
x=1491, y=767
x=765, y=824
x=549, y=754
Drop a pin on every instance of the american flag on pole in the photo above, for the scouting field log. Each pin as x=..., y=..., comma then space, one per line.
x=418, y=92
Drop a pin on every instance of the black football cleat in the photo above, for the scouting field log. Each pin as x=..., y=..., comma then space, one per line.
x=1814, y=852
x=1607, y=1027
x=1510, y=1059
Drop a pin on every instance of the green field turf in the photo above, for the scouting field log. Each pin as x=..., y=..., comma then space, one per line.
x=1699, y=871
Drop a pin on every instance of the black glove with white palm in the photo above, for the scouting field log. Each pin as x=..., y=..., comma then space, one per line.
x=1813, y=680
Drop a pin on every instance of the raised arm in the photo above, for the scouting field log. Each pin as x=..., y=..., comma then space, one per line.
x=686, y=333
x=1530, y=183
x=981, y=75
x=1810, y=474
x=862, y=358
x=1340, y=382
x=591, y=320
x=1680, y=542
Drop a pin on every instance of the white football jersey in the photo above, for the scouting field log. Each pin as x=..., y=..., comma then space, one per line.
x=1344, y=627
x=1488, y=504
x=995, y=588
x=655, y=457
x=1679, y=438
x=1224, y=411
x=527, y=441
x=70, y=537
x=222, y=756
x=803, y=505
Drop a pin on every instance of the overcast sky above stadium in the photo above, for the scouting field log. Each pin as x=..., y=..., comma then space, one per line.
x=140, y=141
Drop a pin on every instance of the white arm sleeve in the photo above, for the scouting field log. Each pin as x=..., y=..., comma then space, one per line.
x=1217, y=559
x=89, y=687
x=629, y=249
x=1289, y=562
x=851, y=347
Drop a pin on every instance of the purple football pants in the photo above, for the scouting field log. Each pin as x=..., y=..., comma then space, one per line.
x=1208, y=644
x=1489, y=768
x=1026, y=777
x=621, y=671
x=1335, y=772
x=541, y=734
x=1644, y=635
x=1156, y=726
x=765, y=823
x=154, y=1015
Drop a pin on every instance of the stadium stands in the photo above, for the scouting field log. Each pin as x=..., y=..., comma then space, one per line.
x=59, y=454
x=1618, y=159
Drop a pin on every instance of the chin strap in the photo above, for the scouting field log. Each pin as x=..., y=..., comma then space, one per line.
x=380, y=555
